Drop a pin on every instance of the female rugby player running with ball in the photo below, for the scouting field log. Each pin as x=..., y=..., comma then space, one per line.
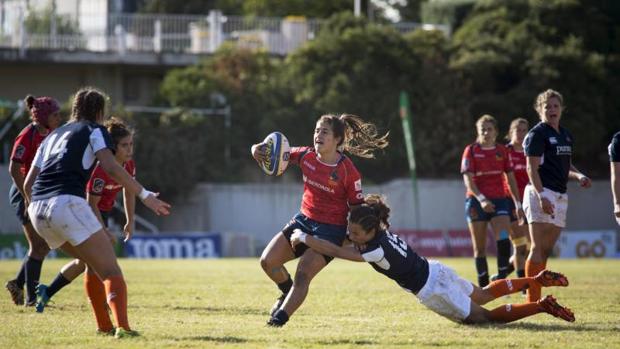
x=332, y=185
x=435, y=285
x=548, y=147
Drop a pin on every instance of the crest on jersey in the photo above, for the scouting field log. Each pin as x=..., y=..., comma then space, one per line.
x=499, y=156
x=333, y=178
x=98, y=185
x=553, y=140
x=19, y=151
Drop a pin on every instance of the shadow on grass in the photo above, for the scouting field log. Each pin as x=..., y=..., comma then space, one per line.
x=346, y=341
x=225, y=339
x=558, y=327
x=215, y=310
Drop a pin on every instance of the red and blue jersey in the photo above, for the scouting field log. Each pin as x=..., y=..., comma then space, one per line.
x=519, y=166
x=487, y=167
x=101, y=184
x=25, y=147
x=329, y=190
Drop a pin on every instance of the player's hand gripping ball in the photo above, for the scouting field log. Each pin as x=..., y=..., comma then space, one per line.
x=277, y=152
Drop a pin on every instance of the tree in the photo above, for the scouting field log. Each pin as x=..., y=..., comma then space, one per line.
x=509, y=51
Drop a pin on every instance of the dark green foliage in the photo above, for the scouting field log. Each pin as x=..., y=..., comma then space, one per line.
x=496, y=62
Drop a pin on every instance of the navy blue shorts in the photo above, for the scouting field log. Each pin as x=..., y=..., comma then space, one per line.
x=330, y=232
x=19, y=204
x=475, y=213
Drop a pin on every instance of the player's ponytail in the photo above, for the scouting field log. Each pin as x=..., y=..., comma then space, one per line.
x=374, y=213
x=88, y=104
x=357, y=137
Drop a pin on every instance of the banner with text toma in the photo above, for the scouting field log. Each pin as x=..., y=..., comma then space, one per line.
x=194, y=245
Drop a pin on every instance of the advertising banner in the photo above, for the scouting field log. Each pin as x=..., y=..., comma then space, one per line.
x=194, y=245
x=587, y=244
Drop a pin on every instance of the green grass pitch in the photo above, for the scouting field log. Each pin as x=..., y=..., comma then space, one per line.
x=224, y=303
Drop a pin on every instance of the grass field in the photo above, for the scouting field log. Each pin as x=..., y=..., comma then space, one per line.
x=224, y=303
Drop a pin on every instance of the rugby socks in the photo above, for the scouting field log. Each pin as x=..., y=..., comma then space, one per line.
x=21, y=274
x=511, y=312
x=532, y=269
x=96, y=295
x=482, y=268
x=59, y=282
x=116, y=291
x=503, y=287
x=286, y=285
x=33, y=273
x=503, y=254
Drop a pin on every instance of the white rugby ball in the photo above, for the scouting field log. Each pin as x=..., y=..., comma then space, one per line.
x=278, y=151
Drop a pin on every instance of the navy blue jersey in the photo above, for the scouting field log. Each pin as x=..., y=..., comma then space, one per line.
x=66, y=159
x=555, y=149
x=614, y=148
x=392, y=257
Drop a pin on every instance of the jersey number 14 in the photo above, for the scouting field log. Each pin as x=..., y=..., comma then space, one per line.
x=57, y=146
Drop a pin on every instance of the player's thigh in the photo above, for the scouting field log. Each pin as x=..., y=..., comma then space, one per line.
x=277, y=252
x=310, y=264
x=98, y=253
x=518, y=231
x=500, y=225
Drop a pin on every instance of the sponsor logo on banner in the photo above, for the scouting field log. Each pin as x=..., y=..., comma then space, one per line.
x=14, y=246
x=175, y=246
x=437, y=243
x=586, y=244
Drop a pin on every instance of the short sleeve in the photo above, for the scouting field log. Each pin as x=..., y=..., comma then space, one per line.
x=100, y=139
x=297, y=153
x=97, y=182
x=21, y=148
x=374, y=255
x=467, y=161
x=534, y=144
x=355, y=196
x=614, y=148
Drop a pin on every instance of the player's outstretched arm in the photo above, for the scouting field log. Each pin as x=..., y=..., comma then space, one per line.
x=116, y=171
x=325, y=247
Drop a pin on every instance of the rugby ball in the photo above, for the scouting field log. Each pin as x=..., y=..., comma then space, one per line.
x=278, y=151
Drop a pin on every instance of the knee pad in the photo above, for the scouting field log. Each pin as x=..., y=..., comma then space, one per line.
x=522, y=241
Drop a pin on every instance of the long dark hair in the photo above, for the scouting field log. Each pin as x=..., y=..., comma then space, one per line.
x=88, y=103
x=372, y=214
x=357, y=137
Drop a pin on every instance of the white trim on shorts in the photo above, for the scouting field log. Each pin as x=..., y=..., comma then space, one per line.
x=63, y=218
x=533, y=210
x=446, y=293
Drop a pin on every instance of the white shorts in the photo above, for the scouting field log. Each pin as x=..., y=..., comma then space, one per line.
x=63, y=218
x=446, y=293
x=533, y=210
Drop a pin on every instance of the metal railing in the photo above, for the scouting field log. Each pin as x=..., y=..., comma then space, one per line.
x=155, y=33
